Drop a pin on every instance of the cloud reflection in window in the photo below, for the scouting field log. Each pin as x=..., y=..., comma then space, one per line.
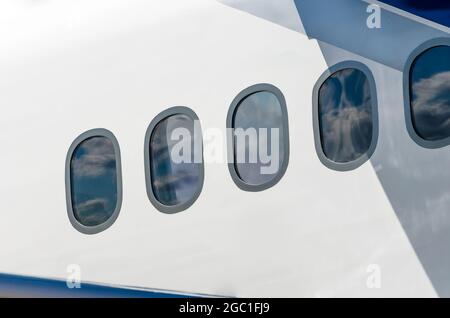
x=260, y=110
x=173, y=182
x=345, y=115
x=430, y=93
x=94, y=181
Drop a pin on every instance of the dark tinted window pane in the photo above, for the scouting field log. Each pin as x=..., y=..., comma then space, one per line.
x=259, y=114
x=175, y=181
x=345, y=115
x=430, y=93
x=94, y=181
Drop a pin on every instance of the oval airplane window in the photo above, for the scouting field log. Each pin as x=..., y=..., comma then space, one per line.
x=174, y=160
x=346, y=119
x=94, y=190
x=429, y=93
x=259, y=137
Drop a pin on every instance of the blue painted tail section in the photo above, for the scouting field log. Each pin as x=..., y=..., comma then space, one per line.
x=434, y=10
x=343, y=24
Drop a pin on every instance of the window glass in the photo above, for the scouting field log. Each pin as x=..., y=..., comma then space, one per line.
x=430, y=93
x=93, y=181
x=176, y=167
x=259, y=138
x=345, y=115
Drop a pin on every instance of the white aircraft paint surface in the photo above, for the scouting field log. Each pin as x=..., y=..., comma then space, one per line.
x=67, y=67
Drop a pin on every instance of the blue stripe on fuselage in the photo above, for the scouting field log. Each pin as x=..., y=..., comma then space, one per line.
x=22, y=286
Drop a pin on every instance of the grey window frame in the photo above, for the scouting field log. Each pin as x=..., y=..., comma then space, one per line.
x=177, y=110
x=90, y=230
x=345, y=166
x=264, y=87
x=429, y=144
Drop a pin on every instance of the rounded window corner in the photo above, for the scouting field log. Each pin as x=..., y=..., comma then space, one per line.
x=283, y=127
x=416, y=117
x=349, y=162
x=195, y=167
x=256, y=188
x=89, y=212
